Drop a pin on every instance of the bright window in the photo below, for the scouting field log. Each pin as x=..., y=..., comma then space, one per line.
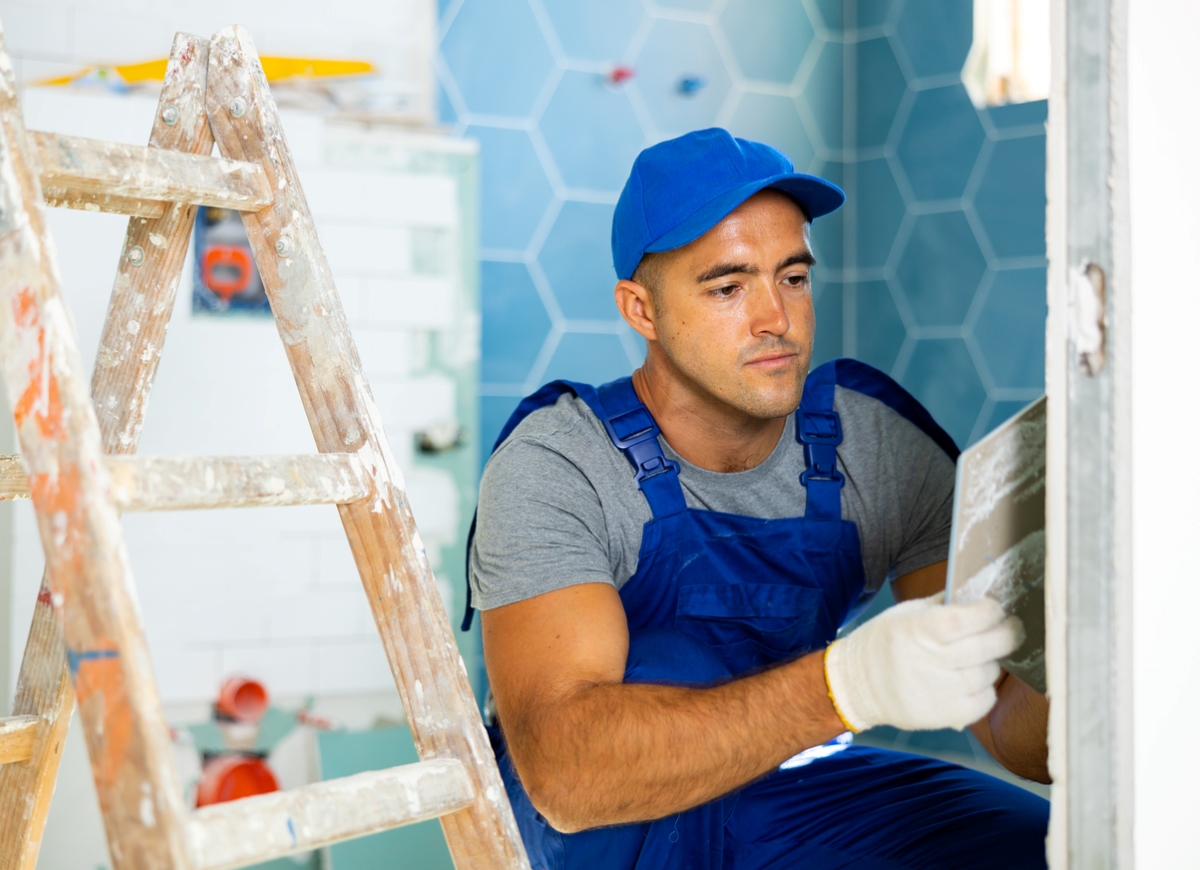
x=1010, y=56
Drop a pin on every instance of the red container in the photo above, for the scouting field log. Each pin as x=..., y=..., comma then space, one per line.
x=229, y=777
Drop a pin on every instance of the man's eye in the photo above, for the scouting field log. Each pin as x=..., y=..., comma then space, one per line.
x=796, y=280
x=724, y=292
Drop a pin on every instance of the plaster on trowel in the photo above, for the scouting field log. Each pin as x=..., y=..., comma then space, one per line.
x=998, y=537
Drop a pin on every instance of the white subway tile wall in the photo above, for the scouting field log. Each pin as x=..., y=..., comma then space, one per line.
x=273, y=593
x=56, y=37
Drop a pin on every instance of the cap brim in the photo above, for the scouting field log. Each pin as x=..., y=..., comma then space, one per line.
x=815, y=195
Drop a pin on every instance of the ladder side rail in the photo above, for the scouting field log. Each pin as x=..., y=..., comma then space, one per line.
x=125, y=369
x=417, y=638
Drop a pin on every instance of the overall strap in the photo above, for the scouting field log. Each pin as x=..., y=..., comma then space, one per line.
x=634, y=432
x=819, y=430
x=544, y=397
x=862, y=378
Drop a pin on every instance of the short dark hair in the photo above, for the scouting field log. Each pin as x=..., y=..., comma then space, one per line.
x=649, y=273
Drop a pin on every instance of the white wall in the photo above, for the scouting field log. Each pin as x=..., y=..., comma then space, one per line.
x=270, y=592
x=1164, y=131
x=56, y=37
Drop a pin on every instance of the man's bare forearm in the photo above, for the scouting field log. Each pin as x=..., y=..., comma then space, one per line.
x=606, y=754
x=1014, y=732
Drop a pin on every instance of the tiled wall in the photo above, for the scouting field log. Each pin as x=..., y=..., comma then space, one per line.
x=48, y=38
x=274, y=592
x=943, y=262
x=933, y=272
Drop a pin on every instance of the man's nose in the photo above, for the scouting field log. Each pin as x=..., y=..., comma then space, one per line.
x=768, y=316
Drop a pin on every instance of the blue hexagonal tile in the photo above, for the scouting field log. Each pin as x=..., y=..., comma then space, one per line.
x=1011, y=329
x=577, y=260
x=879, y=331
x=879, y=210
x=1011, y=200
x=1029, y=114
x=828, y=308
x=675, y=53
x=768, y=37
x=595, y=29
x=1000, y=412
x=592, y=132
x=832, y=14
x=823, y=93
x=494, y=412
x=942, y=376
x=940, y=269
x=694, y=5
x=774, y=120
x=446, y=112
x=940, y=143
x=827, y=232
x=881, y=87
x=515, y=322
x=935, y=35
x=593, y=358
x=497, y=55
x=872, y=13
x=514, y=189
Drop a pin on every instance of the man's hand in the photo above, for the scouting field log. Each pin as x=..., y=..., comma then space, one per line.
x=1014, y=732
x=922, y=665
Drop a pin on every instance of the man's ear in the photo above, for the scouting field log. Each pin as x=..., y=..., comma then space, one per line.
x=637, y=307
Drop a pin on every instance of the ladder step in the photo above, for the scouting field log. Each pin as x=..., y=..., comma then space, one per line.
x=270, y=826
x=166, y=483
x=16, y=738
x=128, y=179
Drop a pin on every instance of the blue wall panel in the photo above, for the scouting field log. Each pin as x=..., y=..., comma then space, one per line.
x=934, y=270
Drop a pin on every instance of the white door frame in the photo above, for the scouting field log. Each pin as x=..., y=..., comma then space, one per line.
x=1088, y=562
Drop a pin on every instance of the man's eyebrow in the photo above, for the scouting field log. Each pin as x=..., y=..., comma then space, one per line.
x=723, y=269
x=802, y=257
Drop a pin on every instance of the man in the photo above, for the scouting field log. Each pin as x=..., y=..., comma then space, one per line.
x=663, y=564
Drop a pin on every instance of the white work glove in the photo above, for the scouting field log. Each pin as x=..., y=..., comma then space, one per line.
x=921, y=665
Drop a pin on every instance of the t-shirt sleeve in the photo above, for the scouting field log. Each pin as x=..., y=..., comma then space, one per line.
x=926, y=488
x=540, y=527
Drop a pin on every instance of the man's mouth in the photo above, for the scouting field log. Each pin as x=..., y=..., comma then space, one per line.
x=773, y=360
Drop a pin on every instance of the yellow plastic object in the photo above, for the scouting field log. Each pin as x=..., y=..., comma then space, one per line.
x=276, y=68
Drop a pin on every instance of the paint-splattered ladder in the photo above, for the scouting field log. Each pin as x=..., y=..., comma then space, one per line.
x=86, y=641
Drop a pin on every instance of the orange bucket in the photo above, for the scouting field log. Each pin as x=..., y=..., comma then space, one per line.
x=229, y=777
x=242, y=699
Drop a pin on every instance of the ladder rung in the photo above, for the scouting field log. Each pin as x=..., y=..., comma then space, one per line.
x=62, y=197
x=270, y=826
x=165, y=483
x=16, y=738
x=112, y=176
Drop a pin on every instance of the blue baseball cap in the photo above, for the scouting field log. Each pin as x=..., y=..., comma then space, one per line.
x=682, y=188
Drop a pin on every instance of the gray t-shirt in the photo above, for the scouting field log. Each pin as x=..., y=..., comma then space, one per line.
x=558, y=504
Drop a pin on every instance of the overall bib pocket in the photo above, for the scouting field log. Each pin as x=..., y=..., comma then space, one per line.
x=752, y=625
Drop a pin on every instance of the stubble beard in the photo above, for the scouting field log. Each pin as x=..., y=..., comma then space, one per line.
x=730, y=386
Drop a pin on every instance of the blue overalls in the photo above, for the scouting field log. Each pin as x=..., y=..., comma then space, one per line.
x=718, y=595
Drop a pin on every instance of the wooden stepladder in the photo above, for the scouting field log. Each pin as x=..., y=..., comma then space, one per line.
x=87, y=643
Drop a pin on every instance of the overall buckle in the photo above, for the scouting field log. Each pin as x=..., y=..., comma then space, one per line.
x=821, y=433
x=636, y=433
